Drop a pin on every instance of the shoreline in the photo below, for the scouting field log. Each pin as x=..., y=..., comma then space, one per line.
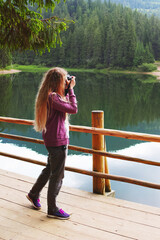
x=155, y=73
x=9, y=71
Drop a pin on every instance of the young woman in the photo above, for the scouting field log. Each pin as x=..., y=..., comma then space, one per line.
x=51, y=117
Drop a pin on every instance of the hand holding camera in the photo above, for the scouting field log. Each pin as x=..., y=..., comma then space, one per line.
x=70, y=83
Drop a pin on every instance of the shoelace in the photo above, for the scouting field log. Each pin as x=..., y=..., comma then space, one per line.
x=61, y=211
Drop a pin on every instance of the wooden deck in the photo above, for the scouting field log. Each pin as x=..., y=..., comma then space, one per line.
x=93, y=216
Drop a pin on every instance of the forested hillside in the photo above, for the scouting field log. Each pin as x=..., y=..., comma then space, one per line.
x=104, y=35
x=146, y=6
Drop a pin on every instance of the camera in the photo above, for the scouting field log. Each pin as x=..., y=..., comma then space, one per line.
x=69, y=77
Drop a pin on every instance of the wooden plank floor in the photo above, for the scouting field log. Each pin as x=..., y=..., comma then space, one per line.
x=93, y=216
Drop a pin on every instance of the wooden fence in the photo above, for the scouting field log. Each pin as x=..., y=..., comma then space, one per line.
x=101, y=176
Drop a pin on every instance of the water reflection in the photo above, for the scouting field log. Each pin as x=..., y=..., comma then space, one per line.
x=5, y=94
x=129, y=102
x=150, y=151
x=125, y=99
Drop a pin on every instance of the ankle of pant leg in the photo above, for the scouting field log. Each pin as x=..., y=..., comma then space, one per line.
x=33, y=195
x=53, y=210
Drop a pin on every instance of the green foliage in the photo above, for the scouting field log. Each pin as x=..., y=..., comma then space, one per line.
x=5, y=58
x=147, y=67
x=99, y=66
x=30, y=68
x=22, y=28
x=105, y=35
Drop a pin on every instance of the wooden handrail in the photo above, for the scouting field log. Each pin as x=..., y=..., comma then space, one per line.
x=92, y=130
x=85, y=150
x=20, y=138
x=16, y=121
x=95, y=131
x=90, y=173
x=117, y=133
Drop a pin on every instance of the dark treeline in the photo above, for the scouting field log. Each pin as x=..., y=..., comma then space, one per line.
x=104, y=35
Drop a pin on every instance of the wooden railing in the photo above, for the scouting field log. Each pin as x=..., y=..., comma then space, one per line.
x=100, y=173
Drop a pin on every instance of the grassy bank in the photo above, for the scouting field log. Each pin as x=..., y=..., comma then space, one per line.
x=39, y=68
x=35, y=68
x=30, y=68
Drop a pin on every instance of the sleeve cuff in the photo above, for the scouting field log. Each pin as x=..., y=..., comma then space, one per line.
x=71, y=91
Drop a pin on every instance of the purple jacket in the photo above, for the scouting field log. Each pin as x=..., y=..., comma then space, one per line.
x=56, y=133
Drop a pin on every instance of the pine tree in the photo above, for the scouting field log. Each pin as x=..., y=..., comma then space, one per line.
x=148, y=56
x=108, y=57
x=139, y=54
x=22, y=28
x=130, y=41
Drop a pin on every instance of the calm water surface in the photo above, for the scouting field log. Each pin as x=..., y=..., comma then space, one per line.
x=129, y=102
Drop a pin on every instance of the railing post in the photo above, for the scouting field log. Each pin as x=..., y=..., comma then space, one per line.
x=98, y=144
x=107, y=181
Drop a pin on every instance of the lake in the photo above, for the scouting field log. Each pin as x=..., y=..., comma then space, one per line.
x=130, y=102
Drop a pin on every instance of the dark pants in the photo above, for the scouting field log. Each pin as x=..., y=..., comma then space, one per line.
x=54, y=172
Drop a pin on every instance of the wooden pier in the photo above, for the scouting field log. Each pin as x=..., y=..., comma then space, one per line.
x=93, y=216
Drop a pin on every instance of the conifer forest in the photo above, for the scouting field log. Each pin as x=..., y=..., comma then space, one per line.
x=104, y=34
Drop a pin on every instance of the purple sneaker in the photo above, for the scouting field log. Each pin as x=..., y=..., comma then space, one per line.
x=60, y=214
x=35, y=202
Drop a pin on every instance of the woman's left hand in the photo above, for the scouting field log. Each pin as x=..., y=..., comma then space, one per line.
x=72, y=82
